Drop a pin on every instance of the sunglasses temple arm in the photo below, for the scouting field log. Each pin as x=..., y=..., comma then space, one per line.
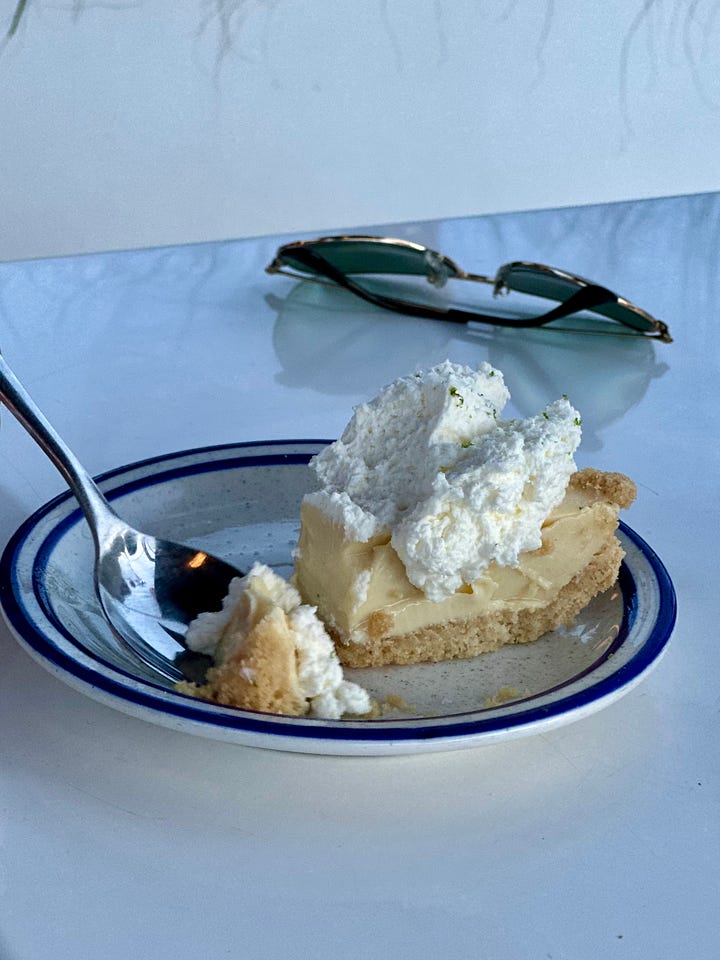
x=322, y=266
x=584, y=299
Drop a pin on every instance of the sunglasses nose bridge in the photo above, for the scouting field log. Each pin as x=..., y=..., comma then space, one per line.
x=474, y=277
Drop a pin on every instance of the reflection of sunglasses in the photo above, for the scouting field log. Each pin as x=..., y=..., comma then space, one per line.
x=340, y=259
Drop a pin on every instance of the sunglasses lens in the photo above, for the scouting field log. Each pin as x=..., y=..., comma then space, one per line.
x=549, y=284
x=367, y=256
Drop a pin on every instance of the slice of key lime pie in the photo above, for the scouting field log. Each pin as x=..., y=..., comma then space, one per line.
x=440, y=531
x=443, y=531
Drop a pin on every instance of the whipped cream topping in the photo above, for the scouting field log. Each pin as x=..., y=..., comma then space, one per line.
x=431, y=462
x=319, y=673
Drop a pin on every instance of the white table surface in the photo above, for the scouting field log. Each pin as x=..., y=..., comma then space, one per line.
x=599, y=839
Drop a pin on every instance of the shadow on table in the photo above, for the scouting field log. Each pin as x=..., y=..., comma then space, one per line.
x=329, y=341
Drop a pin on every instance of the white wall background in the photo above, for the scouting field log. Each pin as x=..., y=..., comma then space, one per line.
x=126, y=124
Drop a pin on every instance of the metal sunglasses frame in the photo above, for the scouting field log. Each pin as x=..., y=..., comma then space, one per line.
x=439, y=268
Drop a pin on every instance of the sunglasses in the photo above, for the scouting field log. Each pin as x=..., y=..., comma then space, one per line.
x=339, y=260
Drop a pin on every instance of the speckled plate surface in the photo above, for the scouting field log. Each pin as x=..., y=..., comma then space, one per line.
x=242, y=502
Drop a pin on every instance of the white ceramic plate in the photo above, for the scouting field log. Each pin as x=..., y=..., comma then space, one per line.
x=242, y=502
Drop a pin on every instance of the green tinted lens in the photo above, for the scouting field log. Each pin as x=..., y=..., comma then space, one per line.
x=539, y=282
x=363, y=256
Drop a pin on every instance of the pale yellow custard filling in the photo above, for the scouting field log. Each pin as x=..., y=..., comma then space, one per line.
x=364, y=597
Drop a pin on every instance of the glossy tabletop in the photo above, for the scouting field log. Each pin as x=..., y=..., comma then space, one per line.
x=599, y=839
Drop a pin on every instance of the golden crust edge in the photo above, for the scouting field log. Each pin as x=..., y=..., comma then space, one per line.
x=463, y=639
x=269, y=655
x=605, y=485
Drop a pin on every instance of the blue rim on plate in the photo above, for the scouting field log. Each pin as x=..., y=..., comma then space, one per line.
x=36, y=610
